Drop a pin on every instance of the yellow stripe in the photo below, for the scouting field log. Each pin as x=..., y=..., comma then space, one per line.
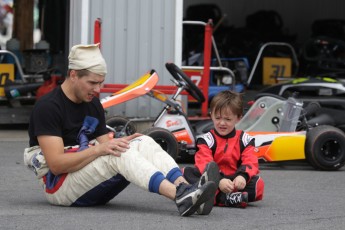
x=288, y=148
x=138, y=82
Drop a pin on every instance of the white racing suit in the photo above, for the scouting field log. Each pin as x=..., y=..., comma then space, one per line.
x=144, y=164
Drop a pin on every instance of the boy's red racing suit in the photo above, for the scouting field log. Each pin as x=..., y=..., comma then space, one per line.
x=234, y=155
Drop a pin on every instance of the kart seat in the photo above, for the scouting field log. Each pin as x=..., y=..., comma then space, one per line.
x=264, y=115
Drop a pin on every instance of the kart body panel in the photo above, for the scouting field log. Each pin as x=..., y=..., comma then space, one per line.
x=284, y=146
x=138, y=88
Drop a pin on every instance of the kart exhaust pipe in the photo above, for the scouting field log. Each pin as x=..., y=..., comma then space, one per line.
x=14, y=90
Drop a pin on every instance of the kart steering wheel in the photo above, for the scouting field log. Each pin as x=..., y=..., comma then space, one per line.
x=180, y=76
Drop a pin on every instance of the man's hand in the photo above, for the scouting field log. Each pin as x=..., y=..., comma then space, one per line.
x=131, y=137
x=115, y=146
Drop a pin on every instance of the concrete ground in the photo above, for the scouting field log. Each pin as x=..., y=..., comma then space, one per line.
x=296, y=197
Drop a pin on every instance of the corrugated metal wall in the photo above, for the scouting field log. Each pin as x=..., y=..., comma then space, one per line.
x=137, y=36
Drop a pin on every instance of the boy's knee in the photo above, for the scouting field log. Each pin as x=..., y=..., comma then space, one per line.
x=260, y=189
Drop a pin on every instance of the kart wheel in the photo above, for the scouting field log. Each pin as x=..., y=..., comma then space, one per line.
x=165, y=139
x=122, y=126
x=325, y=148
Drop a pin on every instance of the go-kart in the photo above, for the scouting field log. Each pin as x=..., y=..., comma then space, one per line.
x=329, y=93
x=180, y=140
x=283, y=132
x=171, y=128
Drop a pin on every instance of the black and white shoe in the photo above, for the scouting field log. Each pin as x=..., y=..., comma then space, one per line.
x=211, y=173
x=237, y=199
x=189, y=197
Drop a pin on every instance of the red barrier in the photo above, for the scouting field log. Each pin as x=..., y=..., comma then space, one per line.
x=97, y=31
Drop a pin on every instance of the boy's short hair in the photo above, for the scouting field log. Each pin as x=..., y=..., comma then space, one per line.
x=227, y=99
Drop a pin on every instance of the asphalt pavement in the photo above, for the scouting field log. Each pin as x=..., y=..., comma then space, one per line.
x=296, y=197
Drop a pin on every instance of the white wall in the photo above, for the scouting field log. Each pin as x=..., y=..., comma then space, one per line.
x=137, y=36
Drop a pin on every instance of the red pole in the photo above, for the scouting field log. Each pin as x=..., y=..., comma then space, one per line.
x=207, y=65
x=97, y=32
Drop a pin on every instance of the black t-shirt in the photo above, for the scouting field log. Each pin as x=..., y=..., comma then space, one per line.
x=56, y=115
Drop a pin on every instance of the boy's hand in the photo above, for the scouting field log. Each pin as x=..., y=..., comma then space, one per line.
x=226, y=185
x=240, y=182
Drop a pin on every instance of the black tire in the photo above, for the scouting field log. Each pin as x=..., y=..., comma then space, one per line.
x=118, y=123
x=165, y=139
x=325, y=148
